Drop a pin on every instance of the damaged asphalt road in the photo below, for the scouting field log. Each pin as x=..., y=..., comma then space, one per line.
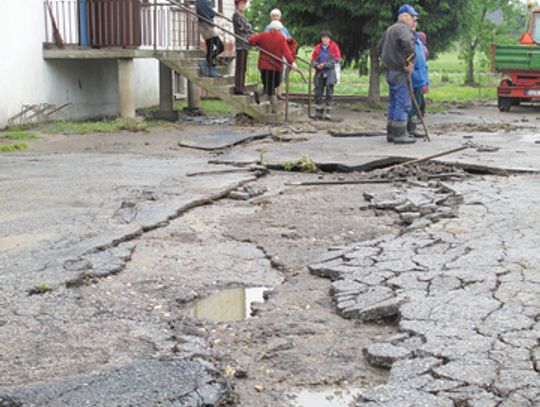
x=430, y=293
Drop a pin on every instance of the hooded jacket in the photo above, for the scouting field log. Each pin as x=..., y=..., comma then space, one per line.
x=276, y=44
x=420, y=74
x=204, y=9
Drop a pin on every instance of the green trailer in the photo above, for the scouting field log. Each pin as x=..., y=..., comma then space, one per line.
x=520, y=69
x=516, y=57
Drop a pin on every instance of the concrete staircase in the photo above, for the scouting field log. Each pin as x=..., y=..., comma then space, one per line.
x=186, y=63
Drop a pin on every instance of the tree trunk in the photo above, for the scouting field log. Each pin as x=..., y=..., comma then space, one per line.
x=374, y=92
x=469, y=73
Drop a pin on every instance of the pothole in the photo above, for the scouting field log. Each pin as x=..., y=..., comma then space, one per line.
x=324, y=397
x=233, y=304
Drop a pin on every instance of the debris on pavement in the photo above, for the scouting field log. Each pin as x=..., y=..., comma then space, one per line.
x=247, y=192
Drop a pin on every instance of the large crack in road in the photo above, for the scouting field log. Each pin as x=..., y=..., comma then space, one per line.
x=432, y=301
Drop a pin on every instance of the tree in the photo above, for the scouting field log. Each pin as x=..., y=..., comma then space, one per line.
x=486, y=22
x=357, y=25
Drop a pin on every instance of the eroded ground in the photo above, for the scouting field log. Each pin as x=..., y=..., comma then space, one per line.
x=405, y=294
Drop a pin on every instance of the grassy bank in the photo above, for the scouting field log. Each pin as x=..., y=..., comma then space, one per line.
x=446, y=73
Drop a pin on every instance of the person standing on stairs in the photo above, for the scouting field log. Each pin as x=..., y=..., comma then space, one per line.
x=214, y=45
x=275, y=15
x=271, y=68
x=324, y=59
x=243, y=29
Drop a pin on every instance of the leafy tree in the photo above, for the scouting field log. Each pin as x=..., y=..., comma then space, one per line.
x=480, y=27
x=357, y=25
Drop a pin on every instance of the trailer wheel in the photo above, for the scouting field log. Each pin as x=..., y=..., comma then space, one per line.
x=504, y=104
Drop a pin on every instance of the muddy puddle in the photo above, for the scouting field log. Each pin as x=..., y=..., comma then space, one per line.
x=228, y=305
x=324, y=398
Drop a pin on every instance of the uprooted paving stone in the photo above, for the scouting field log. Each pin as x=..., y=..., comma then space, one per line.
x=467, y=297
x=419, y=206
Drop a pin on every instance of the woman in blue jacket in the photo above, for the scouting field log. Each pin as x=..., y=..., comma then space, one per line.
x=420, y=83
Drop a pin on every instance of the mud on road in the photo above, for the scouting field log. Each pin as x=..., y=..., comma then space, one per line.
x=174, y=289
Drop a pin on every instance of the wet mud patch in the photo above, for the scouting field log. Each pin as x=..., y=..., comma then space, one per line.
x=233, y=304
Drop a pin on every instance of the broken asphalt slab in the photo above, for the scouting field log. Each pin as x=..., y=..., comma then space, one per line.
x=68, y=207
x=219, y=139
x=517, y=152
x=67, y=221
x=465, y=292
x=143, y=383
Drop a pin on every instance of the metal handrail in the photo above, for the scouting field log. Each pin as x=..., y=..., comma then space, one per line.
x=275, y=57
x=299, y=58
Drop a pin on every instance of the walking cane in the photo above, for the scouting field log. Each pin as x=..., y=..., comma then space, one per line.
x=413, y=97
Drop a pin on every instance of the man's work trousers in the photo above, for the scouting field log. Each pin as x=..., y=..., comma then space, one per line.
x=320, y=85
x=399, y=102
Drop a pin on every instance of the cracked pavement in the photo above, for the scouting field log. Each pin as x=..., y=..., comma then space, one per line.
x=105, y=241
x=466, y=293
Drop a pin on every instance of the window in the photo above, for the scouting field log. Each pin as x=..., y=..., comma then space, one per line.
x=536, y=28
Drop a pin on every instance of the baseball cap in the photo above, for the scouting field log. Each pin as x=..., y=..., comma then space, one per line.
x=407, y=8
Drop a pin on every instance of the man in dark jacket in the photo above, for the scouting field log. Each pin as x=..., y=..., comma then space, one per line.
x=214, y=45
x=397, y=52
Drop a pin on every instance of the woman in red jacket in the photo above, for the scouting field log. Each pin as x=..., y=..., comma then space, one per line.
x=271, y=68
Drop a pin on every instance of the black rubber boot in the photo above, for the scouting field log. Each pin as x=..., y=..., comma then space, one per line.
x=327, y=114
x=412, y=128
x=389, y=135
x=319, y=112
x=401, y=136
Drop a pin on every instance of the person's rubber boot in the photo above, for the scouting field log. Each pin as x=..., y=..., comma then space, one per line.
x=327, y=115
x=412, y=128
x=401, y=136
x=389, y=134
x=273, y=103
x=214, y=73
x=257, y=96
x=203, y=68
x=319, y=112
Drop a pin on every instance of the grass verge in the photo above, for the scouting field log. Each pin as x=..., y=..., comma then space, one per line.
x=18, y=135
x=13, y=147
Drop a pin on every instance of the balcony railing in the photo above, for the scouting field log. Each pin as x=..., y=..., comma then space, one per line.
x=147, y=24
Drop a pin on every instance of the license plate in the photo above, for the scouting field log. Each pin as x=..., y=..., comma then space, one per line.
x=532, y=92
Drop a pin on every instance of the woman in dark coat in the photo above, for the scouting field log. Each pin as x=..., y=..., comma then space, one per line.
x=243, y=29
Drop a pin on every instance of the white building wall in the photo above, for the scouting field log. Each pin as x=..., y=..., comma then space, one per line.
x=26, y=78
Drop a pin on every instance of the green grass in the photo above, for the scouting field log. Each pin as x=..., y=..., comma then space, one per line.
x=13, y=147
x=447, y=73
x=210, y=107
x=86, y=127
x=18, y=135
